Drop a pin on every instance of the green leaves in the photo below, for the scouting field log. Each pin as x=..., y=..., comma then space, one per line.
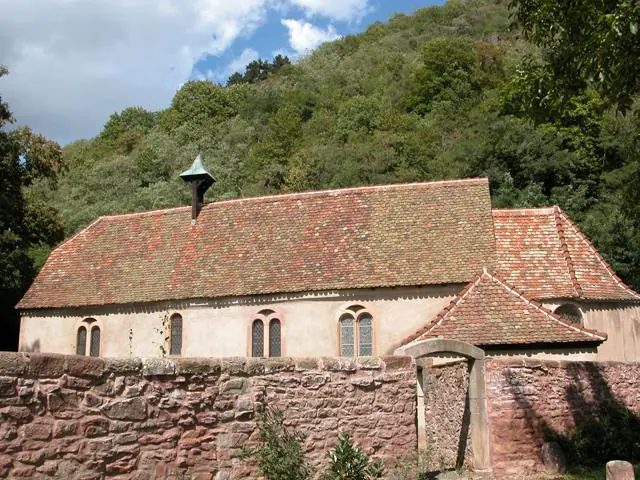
x=349, y=462
x=587, y=43
x=280, y=455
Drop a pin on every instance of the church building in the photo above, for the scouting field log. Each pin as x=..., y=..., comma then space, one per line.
x=349, y=272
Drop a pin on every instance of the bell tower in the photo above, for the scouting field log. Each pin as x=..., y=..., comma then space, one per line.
x=200, y=180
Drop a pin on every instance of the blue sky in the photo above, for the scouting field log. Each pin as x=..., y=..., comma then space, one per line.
x=74, y=63
x=272, y=37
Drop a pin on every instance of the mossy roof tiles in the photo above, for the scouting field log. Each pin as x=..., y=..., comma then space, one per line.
x=396, y=235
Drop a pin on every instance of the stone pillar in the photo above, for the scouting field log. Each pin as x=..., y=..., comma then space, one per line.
x=619, y=470
x=480, y=435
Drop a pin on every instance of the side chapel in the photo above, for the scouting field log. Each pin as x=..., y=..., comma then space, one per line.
x=349, y=272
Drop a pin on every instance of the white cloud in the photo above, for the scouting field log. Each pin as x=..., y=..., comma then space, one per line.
x=344, y=10
x=72, y=63
x=303, y=36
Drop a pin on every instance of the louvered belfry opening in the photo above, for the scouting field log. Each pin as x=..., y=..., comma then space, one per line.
x=200, y=179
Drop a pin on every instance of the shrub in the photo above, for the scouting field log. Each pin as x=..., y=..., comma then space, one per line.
x=280, y=455
x=349, y=462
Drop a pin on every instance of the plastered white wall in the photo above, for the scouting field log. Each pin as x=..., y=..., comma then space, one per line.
x=222, y=328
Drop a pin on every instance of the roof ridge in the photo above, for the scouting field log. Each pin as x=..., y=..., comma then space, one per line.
x=313, y=194
x=442, y=314
x=600, y=258
x=513, y=212
x=565, y=251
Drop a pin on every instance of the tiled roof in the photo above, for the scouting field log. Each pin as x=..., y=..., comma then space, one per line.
x=412, y=234
x=490, y=312
x=543, y=253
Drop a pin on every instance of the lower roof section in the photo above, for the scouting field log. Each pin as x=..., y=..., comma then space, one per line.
x=491, y=312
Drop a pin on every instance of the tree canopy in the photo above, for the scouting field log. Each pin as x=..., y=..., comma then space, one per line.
x=28, y=225
x=548, y=109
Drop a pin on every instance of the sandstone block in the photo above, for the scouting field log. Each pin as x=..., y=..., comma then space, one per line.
x=94, y=427
x=7, y=386
x=85, y=367
x=122, y=366
x=397, y=363
x=158, y=367
x=254, y=367
x=12, y=363
x=553, y=458
x=339, y=364
x=235, y=385
x=64, y=428
x=37, y=431
x=619, y=470
x=126, y=409
x=310, y=363
x=91, y=400
x=369, y=363
x=278, y=364
x=362, y=381
x=233, y=365
x=244, y=409
x=46, y=365
x=23, y=472
x=197, y=366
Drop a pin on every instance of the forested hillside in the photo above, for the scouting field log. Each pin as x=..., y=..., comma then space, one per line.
x=440, y=94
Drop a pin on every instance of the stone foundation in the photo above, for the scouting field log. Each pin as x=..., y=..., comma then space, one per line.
x=91, y=418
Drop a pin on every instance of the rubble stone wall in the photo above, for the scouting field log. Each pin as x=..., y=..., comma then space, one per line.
x=530, y=401
x=447, y=415
x=91, y=418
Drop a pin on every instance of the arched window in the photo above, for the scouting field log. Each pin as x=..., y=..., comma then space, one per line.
x=365, y=335
x=569, y=312
x=347, y=336
x=257, y=338
x=275, y=342
x=81, y=341
x=94, y=347
x=267, y=342
x=356, y=332
x=175, y=345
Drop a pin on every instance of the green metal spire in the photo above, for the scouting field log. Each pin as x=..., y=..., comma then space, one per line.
x=197, y=171
x=200, y=180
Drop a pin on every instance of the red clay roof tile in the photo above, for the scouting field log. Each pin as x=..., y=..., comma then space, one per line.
x=543, y=253
x=412, y=234
x=490, y=312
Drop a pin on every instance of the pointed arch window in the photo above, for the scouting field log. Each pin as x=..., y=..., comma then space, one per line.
x=266, y=334
x=175, y=338
x=356, y=332
x=257, y=338
x=275, y=342
x=81, y=340
x=94, y=346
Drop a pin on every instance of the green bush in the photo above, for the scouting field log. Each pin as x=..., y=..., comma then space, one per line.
x=349, y=462
x=613, y=435
x=280, y=455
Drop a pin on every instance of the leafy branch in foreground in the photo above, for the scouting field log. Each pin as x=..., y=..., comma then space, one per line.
x=348, y=462
x=280, y=454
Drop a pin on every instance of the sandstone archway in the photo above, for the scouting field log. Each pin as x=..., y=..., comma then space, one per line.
x=479, y=423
